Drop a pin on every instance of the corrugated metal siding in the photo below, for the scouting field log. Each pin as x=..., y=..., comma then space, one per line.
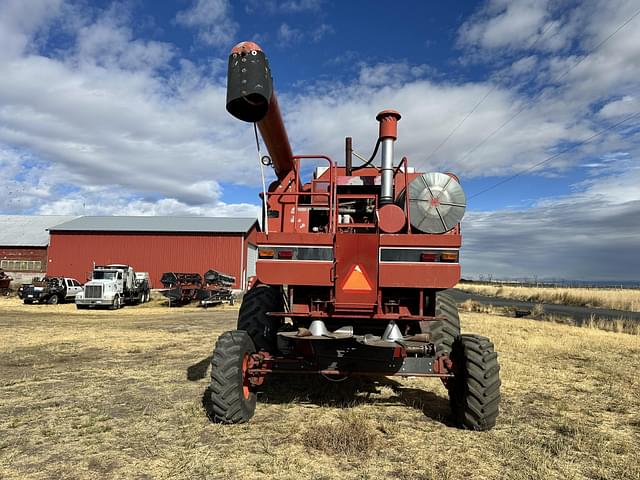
x=73, y=253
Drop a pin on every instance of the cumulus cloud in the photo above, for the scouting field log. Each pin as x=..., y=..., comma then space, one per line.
x=212, y=20
x=283, y=6
x=591, y=234
x=289, y=36
x=623, y=106
x=511, y=26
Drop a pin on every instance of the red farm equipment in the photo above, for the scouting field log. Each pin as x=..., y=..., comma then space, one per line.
x=181, y=288
x=351, y=273
x=184, y=288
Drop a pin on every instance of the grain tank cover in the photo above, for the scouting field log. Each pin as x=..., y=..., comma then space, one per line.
x=437, y=202
x=249, y=84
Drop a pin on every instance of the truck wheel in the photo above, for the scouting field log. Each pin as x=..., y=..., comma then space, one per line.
x=116, y=303
x=53, y=300
x=474, y=392
x=443, y=332
x=232, y=400
x=253, y=317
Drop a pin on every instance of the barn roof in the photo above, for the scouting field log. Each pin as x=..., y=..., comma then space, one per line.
x=158, y=224
x=28, y=230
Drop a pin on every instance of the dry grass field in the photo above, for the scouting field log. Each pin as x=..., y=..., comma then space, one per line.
x=617, y=299
x=118, y=395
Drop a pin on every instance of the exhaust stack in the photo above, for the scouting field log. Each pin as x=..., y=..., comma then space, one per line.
x=388, y=134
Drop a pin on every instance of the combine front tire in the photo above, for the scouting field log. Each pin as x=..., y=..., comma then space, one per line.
x=474, y=392
x=232, y=400
x=253, y=317
x=443, y=332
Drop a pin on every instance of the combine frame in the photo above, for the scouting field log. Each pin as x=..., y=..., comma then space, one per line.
x=352, y=270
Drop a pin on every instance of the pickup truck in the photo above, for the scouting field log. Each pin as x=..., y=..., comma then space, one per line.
x=51, y=290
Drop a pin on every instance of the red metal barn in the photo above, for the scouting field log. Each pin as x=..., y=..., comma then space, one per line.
x=23, y=244
x=155, y=245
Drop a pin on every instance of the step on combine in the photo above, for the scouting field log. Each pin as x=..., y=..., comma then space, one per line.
x=352, y=270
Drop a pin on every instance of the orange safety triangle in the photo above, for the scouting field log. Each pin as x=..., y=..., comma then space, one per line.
x=357, y=280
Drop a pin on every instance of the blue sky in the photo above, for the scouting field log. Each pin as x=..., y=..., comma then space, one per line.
x=118, y=108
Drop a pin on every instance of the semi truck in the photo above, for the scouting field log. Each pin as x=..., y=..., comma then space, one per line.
x=114, y=286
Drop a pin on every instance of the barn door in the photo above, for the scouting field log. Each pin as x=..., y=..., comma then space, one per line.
x=252, y=257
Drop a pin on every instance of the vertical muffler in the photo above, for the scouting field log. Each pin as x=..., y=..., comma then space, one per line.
x=388, y=134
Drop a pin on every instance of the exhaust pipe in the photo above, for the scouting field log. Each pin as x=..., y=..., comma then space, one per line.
x=388, y=134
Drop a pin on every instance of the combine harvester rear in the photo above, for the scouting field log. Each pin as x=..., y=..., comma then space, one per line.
x=351, y=271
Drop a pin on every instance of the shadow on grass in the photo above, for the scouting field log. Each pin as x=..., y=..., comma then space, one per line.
x=280, y=390
x=198, y=371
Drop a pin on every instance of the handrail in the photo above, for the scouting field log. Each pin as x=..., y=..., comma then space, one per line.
x=297, y=193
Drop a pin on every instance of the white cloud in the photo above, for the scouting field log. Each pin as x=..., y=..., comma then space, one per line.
x=212, y=19
x=623, y=106
x=273, y=7
x=289, y=35
x=320, y=32
x=505, y=27
x=591, y=234
x=503, y=24
x=115, y=201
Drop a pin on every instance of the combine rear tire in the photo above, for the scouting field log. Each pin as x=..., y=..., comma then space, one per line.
x=253, y=317
x=474, y=392
x=232, y=400
x=443, y=332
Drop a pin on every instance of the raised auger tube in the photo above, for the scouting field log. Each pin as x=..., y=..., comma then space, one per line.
x=251, y=97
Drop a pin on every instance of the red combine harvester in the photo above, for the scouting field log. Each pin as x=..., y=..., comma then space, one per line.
x=350, y=272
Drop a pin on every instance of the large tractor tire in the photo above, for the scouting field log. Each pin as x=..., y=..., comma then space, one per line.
x=474, y=392
x=443, y=332
x=232, y=400
x=253, y=317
